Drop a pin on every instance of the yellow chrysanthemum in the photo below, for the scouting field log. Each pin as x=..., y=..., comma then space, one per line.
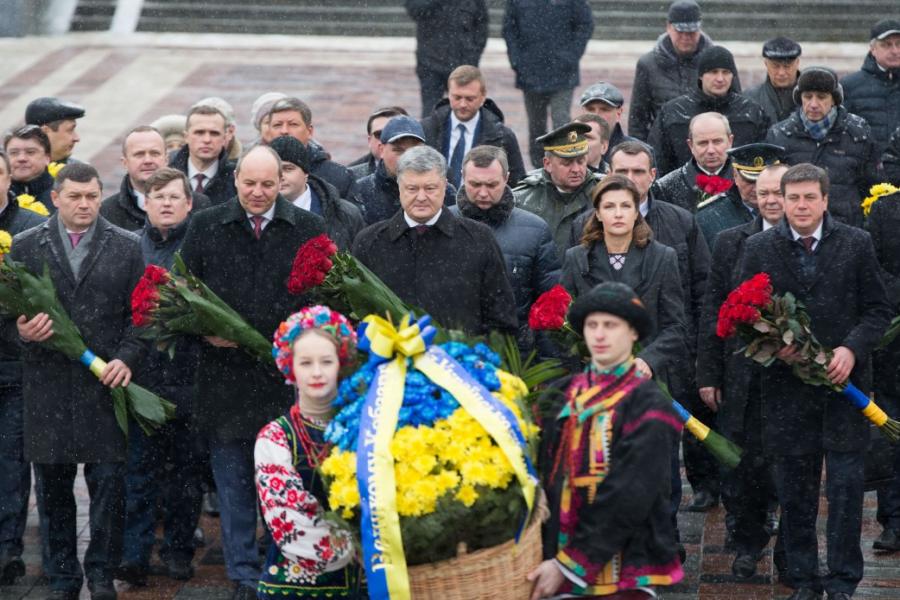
x=5, y=242
x=340, y=465
x=28, y=202
x=876, y=192
x=467, y=495
x=54, y=168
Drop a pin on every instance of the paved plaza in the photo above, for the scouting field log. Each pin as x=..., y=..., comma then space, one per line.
x=129, y=81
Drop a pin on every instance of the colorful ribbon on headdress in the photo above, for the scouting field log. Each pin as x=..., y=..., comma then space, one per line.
x=390, y=346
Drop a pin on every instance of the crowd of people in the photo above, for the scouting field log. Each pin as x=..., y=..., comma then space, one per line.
x=649, y=231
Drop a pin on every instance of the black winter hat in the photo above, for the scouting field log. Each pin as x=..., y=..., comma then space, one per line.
x=291, y=150
x=616, y=299
x=819, y=79
x=715, y=57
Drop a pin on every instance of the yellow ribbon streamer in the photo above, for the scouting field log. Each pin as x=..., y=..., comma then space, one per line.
x=874, y=413
x=696, y=427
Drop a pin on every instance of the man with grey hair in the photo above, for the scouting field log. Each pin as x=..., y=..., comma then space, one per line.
x=243, y=250
x=449, y=266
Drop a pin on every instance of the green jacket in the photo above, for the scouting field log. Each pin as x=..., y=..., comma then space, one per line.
x=722, y=213
x=537, y=194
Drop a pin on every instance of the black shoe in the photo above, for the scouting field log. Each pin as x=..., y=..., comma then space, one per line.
x=744, y=566
x=703, y=501
x=210, y=504
x=805, y=594
x=135, y=575
x=180, y=570
x=63, y=595
x=199, y=537
x=889, y=540
x=102, y=590
x=11, y=569
x=243, y=592
x=839, y=596
x=771, y=526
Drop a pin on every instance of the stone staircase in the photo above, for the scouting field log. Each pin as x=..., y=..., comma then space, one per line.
x=750, y=20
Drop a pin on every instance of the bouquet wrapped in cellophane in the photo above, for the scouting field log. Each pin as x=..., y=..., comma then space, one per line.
x=167, y=305
x=769, y=322
x=23, y=293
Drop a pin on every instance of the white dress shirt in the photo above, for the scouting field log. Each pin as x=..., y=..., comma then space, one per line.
x=267, y=217
x=816, y=235
x=413, y=223
x=470, y=126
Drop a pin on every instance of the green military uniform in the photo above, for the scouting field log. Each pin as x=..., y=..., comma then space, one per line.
x=538, y=194
x=729, y=210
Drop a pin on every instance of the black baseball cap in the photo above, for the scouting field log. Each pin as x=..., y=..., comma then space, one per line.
x=684, y=15
x=885, y=28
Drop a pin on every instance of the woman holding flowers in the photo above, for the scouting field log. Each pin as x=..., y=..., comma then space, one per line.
x=309, y=558
x=606, y=464
x=617, y=246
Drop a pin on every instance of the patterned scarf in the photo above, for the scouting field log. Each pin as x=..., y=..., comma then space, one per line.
x=819, y=129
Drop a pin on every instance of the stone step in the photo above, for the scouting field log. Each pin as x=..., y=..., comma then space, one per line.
x=808, y=20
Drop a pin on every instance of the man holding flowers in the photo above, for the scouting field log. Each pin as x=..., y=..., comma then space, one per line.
x=830, y=268
x=69, y=416
x=243, y=250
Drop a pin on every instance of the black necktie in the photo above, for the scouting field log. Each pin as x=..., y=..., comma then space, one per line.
x=457, y=159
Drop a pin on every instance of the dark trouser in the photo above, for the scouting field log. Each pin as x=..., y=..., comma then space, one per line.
x=747, y=489
x=797, y=479
x=888, y=514
x=536, y=105
x=106, y=486
x=432, y=87
x=232, y=465
x=161, y=464
x=700, y=466
x=15, y=474
x=675, y=498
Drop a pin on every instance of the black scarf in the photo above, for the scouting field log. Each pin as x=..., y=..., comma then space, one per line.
x=494, y=216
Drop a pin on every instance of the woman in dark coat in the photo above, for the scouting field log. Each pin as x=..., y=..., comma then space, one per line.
x=617, y=246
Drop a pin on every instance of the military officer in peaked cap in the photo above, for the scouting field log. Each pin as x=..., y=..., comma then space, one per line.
x=58, y=119
x=781, y=57
x=561, y=189
x=738, y=205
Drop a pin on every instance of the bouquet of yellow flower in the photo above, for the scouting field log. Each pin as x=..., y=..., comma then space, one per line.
x=876, y=192
x=29, y=202
x=433, y=448
x=5, y=243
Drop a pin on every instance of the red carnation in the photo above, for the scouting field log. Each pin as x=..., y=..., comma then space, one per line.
x=713, y=184
x=549, y=310
x=311, y=264
x=145, y=296
x=156, y=275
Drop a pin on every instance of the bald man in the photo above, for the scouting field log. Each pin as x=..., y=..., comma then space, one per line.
x=243, y=250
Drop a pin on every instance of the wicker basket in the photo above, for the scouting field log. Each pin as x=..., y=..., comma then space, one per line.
x=495, y=573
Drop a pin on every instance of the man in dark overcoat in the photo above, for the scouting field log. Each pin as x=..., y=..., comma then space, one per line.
x=69, y=417
x=243, y=250
x=15, y=472
x=729, y=386
x=448, y=266
x=204, y=156
x=832, y=269
x=883, y=224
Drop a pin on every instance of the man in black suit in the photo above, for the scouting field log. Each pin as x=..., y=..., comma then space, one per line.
x=729, y=386
x=449, y=266
x=832, y=269
x=243, y=250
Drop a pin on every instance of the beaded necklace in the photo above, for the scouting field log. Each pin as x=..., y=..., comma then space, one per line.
x=316, y=452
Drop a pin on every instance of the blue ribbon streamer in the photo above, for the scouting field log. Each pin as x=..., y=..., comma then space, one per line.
x=87, y=358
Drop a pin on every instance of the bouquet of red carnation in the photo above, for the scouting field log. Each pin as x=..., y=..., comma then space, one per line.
x=168, y=305
x=343, y=283
x=769, y=322
x=548, y=313
x=711, y=187
x=23, y=293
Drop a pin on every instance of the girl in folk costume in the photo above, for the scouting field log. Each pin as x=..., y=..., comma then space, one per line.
x=606, y=464
x=308, y=557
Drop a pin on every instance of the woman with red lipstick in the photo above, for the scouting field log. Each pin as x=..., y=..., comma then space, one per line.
x=307, y=554
x=617, y=245
x=606, y=462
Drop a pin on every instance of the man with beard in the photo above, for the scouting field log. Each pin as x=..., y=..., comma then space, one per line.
x=561, y=191
x=715, y=91
x=776, y=94
x=532, y=263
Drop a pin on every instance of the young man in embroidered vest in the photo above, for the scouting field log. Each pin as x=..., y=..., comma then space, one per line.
x=607, y=463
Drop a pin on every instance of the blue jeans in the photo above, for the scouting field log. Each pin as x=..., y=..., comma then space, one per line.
x=106, y=513
x=15, y=473
x=233, y=470
x=161, y=464
x=797, y=479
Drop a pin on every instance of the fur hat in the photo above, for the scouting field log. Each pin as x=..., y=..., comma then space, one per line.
x=819, y=79
x=616, y=299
